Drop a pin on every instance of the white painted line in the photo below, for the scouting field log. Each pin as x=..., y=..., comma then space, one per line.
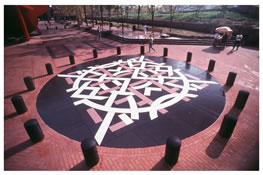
x=126, y=119
x=133, y=108
x=104, y=127
x=196, y=86
x=147, y=91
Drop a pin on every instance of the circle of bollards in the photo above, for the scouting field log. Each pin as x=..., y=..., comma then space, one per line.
x=142, y=50
x=172, y=150
x=19, y=104
x=228, y=126
x=118, y=50
x=165, y=52
x=95, y=53
x=189, y=57
x=33, y=130
x=231, y=78
x=71, y=59
x=29, y=83
x=211, y=65
x=241, y=99
x=49, y=68
x=89, y=150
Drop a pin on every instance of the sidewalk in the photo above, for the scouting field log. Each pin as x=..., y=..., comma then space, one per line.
x=203, y=151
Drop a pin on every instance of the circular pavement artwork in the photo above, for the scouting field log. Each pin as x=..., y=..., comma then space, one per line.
x=131, y=101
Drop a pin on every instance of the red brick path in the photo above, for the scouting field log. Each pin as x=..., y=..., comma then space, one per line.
x=203, y=151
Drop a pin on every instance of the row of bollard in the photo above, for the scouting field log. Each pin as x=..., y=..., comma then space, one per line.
x=89, y=146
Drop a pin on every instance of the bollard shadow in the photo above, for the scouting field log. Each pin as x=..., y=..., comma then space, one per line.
x=162, y=165
x=212, y=50
x=81, y=166
x=64, y=65
x=235, y=112
x=17, y=93
x=226, y=88
x=18, y=148
x=9, y=116
x=216, y=147
x=41, y=76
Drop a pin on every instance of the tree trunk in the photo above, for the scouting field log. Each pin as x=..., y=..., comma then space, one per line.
x=92, y=15
x=138, y=19
x=101, y=15
x=85, y=13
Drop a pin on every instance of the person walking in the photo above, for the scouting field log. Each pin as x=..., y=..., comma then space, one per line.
x=239, y=37
x=99, y=32
x=151, y=44
x=145, y=30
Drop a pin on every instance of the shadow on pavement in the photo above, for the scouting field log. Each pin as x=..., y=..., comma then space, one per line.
x=18, y=148
x=216, y=147
x=162, y=166
x=80, y=167
x=213, y=50
x=17, y=93
x=9, y=116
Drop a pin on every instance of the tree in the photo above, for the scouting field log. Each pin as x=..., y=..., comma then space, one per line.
x=109, y=7
x=223, y=9
x=172, y=12
x=127, y=13
x=197, y=9
x=101, y=15
x=122, y=30
x=151, y=10
x=138, y=18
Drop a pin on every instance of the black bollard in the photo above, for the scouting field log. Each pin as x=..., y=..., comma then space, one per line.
x=165, y=52
x=33, y=130
x=228, y=126
x=95, y=53
x=49, y=69
x=241, y=99
x=71, y=59
x=142, y=50
x=90, y=152
x=29, y=83
x=65, y=26
x=211, y=65
x=189, y=57
x=133, y=28
x=172, y=150
x=56, y=28
x=231, y=78
x=47, y=28
x=118, y=50
x=19, y=104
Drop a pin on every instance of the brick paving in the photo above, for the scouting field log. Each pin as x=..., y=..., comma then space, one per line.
x=203, y=151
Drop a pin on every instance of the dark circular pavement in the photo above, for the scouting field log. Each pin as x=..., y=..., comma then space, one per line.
x=131, y=101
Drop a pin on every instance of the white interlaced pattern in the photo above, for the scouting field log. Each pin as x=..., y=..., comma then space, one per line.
x=90, y=86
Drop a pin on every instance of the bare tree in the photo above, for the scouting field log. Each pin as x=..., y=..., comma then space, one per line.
x=109, y=7
x=223, y=9
x=138, y=18
x=127, y=13
x=122, y=19
x=101, y=16
x=172, y=12
x=198, y=8
x=151, y=10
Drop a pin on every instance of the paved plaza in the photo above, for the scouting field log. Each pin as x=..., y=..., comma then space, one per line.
x=133, y=140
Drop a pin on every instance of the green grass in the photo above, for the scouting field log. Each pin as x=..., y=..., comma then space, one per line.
x=203, y=16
